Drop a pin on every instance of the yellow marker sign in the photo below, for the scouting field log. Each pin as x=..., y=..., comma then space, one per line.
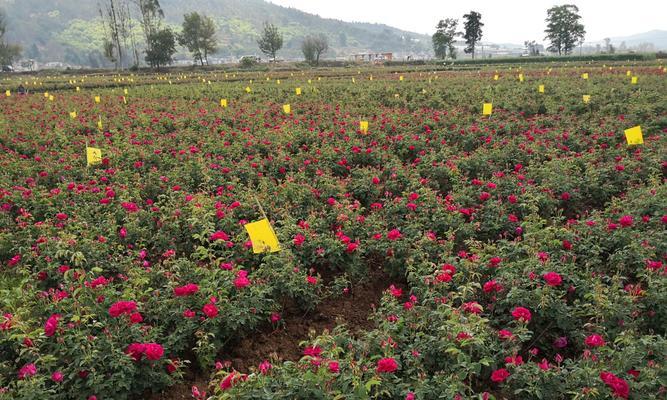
x=633, y=80
x=487, y=109
x=584, y=75
x=51, y=97
x=247, y=89
x=495, y=77
x=586, y=98
x=363, y=126
x=93, y=156
x=634, y=135
x=400, y=78
x=520, y=77
x=262, y=236
x=125, y=91
x=46, y=94
x=278, y=81
x=78, y=89
x=8, y=93
x=287, y=109
x=540, y=88
x=298, y=91
x=628, y=73
x=310, y=82
x=223, y=103
x=97, y=99
x=72, y=114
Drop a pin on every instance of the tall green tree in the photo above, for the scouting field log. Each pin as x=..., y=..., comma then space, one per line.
x=271, y=40
x=443, y=38
x=161, y=48
x=473, y=31
x=564, y=30
x=8, y=52
x=313, y=47
x=198, y=36
x=151, y=19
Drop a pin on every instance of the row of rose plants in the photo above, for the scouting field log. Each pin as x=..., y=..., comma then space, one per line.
x=527, y=248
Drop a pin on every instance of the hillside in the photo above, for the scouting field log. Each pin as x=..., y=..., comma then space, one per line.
x=70, y=31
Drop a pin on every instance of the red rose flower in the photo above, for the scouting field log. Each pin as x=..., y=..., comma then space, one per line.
x=521, y=314
x=594, y=340
x=499, y=375
x=153, y=351
x=210, y=310
x=51, y=325
x=619, y=386
x=552, y=278
x=386, y=365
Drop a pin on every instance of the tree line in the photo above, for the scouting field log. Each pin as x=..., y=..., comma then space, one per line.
x=198, y=35
x=564, y=31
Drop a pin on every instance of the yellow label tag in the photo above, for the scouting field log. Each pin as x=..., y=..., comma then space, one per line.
x=247, y=89
x=363, y=126
x=287, y=109
x=262, y=237
x=584, y=75
x=540, y=88
x=520, y=77
x=633, y=80
x=487, y=109
x=72, y=114
x=634, y=135
x=93, y=156
x=586, y=98
x=495, y=77
x=8, y=93
x=223, y=103
x=628, y=73
x=298, y=91
x=97, y=99
x=400, y=78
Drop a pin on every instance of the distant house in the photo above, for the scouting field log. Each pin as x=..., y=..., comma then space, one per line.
x=372, y=57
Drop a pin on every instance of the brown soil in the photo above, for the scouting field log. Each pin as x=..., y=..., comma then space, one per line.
x=352, y=309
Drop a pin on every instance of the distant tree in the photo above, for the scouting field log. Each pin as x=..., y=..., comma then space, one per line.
x=622, y=47
x=161, y=48
x=271, y=40
x=198, y=36
x=342, y=39
x=564, y=30
x=111, y=13
x=532, y=48
x=33, y=52
x=313, y=47
x=8, y=52
x=473, y=31
x=151, y=16
x=443, y=38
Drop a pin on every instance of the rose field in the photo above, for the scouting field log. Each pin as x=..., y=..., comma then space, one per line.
x=426, y=250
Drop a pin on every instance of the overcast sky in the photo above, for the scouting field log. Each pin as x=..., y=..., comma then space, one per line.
x=505, y=21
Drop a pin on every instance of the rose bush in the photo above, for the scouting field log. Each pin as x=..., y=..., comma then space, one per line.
x=527, y=250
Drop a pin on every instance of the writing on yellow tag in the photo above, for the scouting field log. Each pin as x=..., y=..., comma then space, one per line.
x=634, y=136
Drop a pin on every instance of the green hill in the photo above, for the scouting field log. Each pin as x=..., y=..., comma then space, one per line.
x=70, y=30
